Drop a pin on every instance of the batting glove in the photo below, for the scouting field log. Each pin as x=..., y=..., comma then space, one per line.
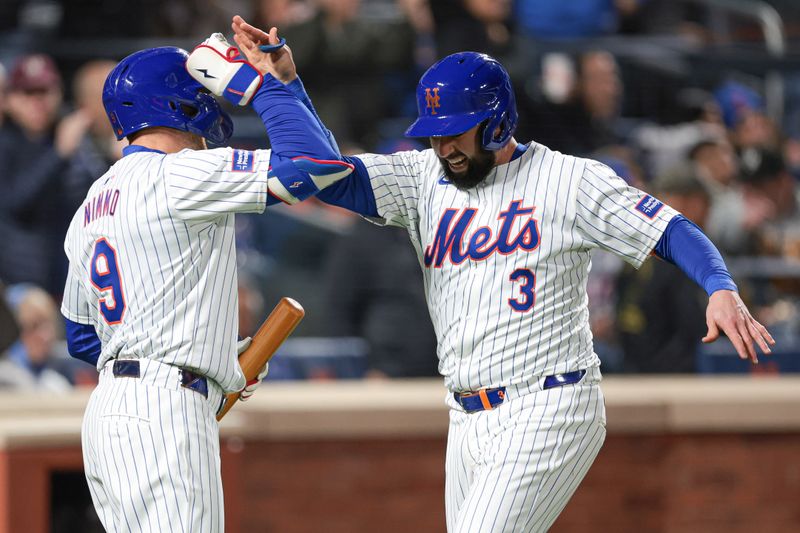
x=253, y=384
x=221, y=69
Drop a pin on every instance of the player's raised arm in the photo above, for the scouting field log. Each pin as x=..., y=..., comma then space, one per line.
x=303, y=159
x=272, y=55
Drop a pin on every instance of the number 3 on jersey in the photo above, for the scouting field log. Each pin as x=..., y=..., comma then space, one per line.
x=527, y=297
x=105, y=277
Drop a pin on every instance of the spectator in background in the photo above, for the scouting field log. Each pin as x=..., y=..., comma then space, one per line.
x=733, y=218
x=283, y=13
x=660, y=312
x=744, y=115
x=375, y=292
x=98, y=147
x=570, y=19
x=716, y=162
x=347, y=61
x=30, y=364
x=766, y=180
x=697, y=119
x=250, y=305
x=587, y=121
x=8, y=324
x=35, y=148
x=478, y=25
x=3, y=89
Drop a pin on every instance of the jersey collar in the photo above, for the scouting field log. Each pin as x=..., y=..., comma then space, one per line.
x=133, y=148
x=518, y=151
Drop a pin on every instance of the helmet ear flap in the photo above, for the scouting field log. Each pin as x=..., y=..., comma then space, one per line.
x=504, y=117
x=492, y=140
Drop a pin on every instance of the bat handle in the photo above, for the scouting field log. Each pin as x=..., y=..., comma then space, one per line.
x=273, y=331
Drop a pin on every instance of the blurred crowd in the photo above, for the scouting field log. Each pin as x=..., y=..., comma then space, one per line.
x=648, y=87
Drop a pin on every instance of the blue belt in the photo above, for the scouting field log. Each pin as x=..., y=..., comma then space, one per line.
x=487, y=399
x=192, y=381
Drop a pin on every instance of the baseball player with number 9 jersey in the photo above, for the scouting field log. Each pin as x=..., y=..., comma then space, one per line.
x=151, y=295
x=504, y=234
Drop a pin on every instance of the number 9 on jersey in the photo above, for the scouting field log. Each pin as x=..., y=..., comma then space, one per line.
x=105, y=276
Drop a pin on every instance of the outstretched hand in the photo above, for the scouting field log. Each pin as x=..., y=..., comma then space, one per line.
x=727, y=313
x=279, y=63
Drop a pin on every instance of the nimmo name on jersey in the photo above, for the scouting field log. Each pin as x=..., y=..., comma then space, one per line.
x=104, y=204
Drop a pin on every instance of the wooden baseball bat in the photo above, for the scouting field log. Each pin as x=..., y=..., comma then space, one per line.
x=276, y=328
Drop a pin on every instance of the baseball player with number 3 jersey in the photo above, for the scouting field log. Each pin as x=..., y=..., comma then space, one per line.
x=151, y=295
x=504, y=234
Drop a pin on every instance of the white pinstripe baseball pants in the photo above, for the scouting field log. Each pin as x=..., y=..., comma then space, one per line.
x=151, y=453
x=514, y=468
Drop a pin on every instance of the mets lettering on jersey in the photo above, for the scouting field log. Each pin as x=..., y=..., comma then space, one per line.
x=481, y=244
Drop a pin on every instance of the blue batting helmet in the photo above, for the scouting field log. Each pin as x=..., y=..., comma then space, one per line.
x=461, y=91
x=152, y=88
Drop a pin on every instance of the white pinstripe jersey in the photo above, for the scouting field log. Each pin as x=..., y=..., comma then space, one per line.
x=153, y=258
x=505, y=264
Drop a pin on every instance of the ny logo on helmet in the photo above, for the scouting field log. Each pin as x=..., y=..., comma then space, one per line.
x=432, y=100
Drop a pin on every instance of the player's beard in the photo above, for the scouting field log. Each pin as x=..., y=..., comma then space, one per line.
x=478, y=167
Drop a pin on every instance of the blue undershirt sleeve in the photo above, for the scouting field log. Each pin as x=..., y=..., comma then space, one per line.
x=686, y=246
x=298, y=89
x=292, y=128
x=292, y=124
x=82, y=341
x=354, y=192
x=295, y=129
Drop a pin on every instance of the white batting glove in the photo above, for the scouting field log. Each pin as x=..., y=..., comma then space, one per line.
x=243, y=344
x=221, y=69
x=253, y=384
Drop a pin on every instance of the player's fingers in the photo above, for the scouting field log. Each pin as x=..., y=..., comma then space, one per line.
x=236, y=24
x=241, y=42
x=761, y=335
x=263, y=372
x=736, y=339
x=747, y=341
x=245, y=43
x=736, y=331
x=258, y=35
x=763, y=331
x=713, y=332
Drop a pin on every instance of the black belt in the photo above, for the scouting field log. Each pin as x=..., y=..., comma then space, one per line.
x=191, y=380
x=487, y=399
